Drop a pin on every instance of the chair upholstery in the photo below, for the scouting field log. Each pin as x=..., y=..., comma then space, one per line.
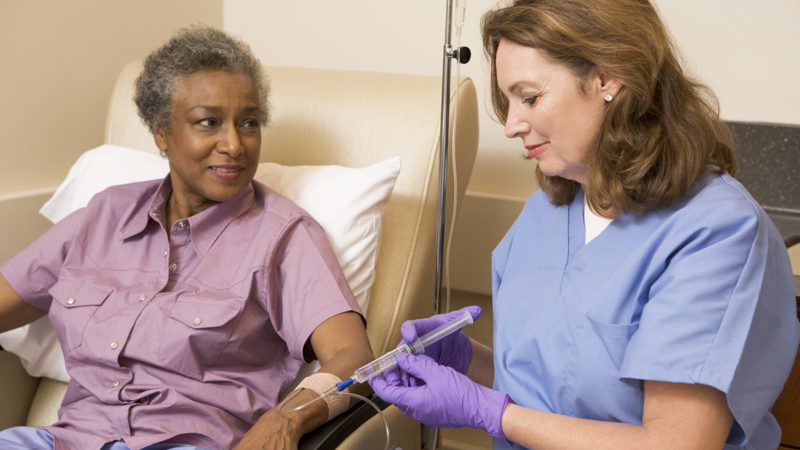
x=350, y=119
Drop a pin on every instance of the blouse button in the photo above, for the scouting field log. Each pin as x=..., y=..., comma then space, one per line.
x=115, y=384
x=182, y=224
x=172, y=267
x=71, y=301
x=114, y=345
x=142, y=298
x=166, y=252
x=197, y=321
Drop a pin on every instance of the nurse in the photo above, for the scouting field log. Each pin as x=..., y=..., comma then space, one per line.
x=642, y=299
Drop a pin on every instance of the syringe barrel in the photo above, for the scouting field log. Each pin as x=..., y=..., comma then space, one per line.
x=388, y=360
x=380, y=364
x=443, y=330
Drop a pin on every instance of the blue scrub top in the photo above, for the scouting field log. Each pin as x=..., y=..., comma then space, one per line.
x=699, y=292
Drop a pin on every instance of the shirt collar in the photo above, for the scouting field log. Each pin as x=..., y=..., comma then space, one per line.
x=207, y=226
x=151, y=209
x=204, y=227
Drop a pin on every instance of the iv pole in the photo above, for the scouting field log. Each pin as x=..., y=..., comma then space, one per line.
x=462, y=55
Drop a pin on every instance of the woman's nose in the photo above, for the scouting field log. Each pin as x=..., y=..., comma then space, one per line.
x=515, y=125
x=229, y=141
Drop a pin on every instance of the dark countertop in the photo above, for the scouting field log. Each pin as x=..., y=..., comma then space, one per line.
x=768, y=163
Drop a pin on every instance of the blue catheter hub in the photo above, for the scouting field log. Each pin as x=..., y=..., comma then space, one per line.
x=342, y=385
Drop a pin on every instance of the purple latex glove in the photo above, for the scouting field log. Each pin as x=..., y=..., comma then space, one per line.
x=444, y=397
x=453, y=351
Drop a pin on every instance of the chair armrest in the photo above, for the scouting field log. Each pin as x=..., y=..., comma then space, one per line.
x=335, y=431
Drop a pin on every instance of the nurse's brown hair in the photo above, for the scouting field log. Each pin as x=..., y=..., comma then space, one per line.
x=660, y=133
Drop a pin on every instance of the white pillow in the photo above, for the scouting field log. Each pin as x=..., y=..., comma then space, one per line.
x=347, y=202
x=98, y=169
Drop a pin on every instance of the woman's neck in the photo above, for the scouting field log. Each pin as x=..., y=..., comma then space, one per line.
x=178, y=208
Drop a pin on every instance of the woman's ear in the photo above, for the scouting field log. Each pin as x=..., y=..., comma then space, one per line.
x=606, y=84
x=161, y=141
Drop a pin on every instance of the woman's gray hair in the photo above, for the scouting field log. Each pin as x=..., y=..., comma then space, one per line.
x=191, y=50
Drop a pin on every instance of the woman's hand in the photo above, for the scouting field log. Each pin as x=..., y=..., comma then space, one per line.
x=281, y=427
x=440, y=396
x=273, y=431
x=454, y=350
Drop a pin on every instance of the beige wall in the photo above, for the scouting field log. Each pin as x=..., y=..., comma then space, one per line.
x=58, y=63
x=746, y=51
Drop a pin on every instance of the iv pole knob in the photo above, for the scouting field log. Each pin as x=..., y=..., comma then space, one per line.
x=463, y=55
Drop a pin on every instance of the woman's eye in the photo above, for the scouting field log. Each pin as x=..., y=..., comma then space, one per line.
x=530, y=101
x=209, y=122
x=250, y=123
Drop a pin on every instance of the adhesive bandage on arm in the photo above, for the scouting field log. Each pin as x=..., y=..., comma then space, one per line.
x=320, y=383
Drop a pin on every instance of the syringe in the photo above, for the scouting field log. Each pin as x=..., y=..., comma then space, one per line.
x=389, y=360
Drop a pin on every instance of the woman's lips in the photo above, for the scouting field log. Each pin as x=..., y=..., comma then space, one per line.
x=227, y=172
x=535, y=150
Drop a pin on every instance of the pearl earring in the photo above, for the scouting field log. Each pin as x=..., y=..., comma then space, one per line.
x=608, y=98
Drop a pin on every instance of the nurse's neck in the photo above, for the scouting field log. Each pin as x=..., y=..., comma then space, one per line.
x=593, y=223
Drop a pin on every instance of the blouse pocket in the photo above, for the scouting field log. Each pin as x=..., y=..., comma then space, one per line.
x=74, y=304
x=196, y=333
x=595, y=384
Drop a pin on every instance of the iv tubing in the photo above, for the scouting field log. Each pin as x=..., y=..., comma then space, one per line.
x=358, y=397
x=389, y=359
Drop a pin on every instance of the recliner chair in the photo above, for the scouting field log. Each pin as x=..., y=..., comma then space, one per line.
x=329, y=117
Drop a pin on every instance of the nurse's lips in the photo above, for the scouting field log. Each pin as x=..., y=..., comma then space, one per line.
x=536, y=149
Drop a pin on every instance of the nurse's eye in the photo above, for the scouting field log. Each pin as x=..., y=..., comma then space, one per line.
x=530, y=101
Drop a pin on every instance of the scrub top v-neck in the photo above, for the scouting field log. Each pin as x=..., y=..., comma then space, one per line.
x=692, y=293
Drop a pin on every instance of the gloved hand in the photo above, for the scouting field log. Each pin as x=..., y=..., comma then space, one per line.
x=454, y=350
x=443, y=397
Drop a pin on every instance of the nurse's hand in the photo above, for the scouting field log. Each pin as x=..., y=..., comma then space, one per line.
x=453, y=351
x=441, y=396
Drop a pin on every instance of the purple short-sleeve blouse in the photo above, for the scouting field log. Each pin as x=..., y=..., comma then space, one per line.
x=187, y=337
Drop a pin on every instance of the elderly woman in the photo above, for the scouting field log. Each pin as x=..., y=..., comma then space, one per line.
x=185, y=305
x=642, y=299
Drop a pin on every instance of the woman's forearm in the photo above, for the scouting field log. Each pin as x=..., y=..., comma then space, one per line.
x=14, y=311
x=345, y=364
x=283, y=424
x=481, y=367
x=341, y=345
x=676, y=416
x=541, y=430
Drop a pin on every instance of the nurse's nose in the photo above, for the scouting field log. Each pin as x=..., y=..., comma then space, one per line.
x=516, y=125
